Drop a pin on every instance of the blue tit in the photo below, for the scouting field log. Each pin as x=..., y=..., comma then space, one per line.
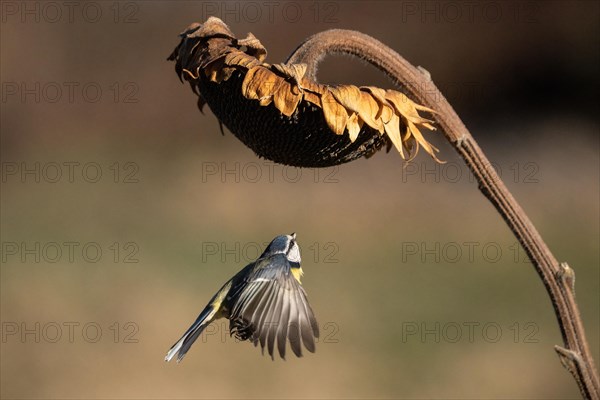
x=264, y=302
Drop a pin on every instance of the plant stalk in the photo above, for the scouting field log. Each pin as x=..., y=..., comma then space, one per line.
x=558, y=277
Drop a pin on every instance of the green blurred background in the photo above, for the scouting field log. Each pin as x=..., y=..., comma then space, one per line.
x=419, y=287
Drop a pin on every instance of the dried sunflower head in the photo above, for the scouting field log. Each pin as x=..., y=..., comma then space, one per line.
x=284, y=116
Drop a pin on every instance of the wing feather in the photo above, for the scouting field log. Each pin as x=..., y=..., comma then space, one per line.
x=273, y=307
x=264, y=323
x=241, y=316
x=282, y=329
x=294, y=326
x=304, y=324
x=254, y=318
x=275, y=320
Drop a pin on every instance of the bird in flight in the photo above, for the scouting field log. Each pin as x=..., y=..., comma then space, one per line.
x=264, y=302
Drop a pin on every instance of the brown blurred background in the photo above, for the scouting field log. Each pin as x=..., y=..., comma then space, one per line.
x=124, y=209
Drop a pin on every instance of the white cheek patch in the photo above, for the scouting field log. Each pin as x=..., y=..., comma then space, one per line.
x=294, y=253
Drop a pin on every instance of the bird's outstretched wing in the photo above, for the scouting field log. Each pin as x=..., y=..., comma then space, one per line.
x=273, y=306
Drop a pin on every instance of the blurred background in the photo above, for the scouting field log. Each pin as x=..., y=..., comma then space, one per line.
x=124, y=209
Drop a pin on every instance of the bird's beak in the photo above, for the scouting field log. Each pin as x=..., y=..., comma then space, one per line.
x=293, y=235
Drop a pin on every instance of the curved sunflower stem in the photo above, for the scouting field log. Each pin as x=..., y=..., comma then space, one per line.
x=558, y=278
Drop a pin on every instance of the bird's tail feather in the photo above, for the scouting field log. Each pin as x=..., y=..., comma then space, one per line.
x=189, y=337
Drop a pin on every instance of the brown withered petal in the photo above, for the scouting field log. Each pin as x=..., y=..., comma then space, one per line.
x=308, y=85
x=369, y=109
x=216, y=71
x=294, y=71
x=247, y=90
x=213, y=26
x=386, y=109
x=347, y=95
x=403, y=105
x=358, y=102
x=420, y=140
x=284, y=116
x=241, y=59
x=392, y=129
x=336, y=114
x=255, y=47
x=260, y=83
x=286, y=98
x=353, y=126
x=312, y=98
x=190, y=74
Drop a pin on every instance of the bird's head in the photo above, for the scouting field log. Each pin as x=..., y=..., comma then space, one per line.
x=286, y=245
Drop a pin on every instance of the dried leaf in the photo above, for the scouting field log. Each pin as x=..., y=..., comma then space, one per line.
x=368, y=111
x=359, y=102
x=406, y=107
x=213, y=26
x=403, y=105
x=191, y=74
x=392, y=129
x=241, y=59
x=353, y=126
x=429, y=148
x=265, y=101
x=260, y=83
x=216, y=72
x=313, y=98
x=335, y=114
x=255, y=47
x=294, y=71
x=287, y=97
x=347, y=95
x=306, y=84
x=386, y=110
x=247, y=79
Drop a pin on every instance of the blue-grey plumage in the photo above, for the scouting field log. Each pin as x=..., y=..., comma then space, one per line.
x=264, y=302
